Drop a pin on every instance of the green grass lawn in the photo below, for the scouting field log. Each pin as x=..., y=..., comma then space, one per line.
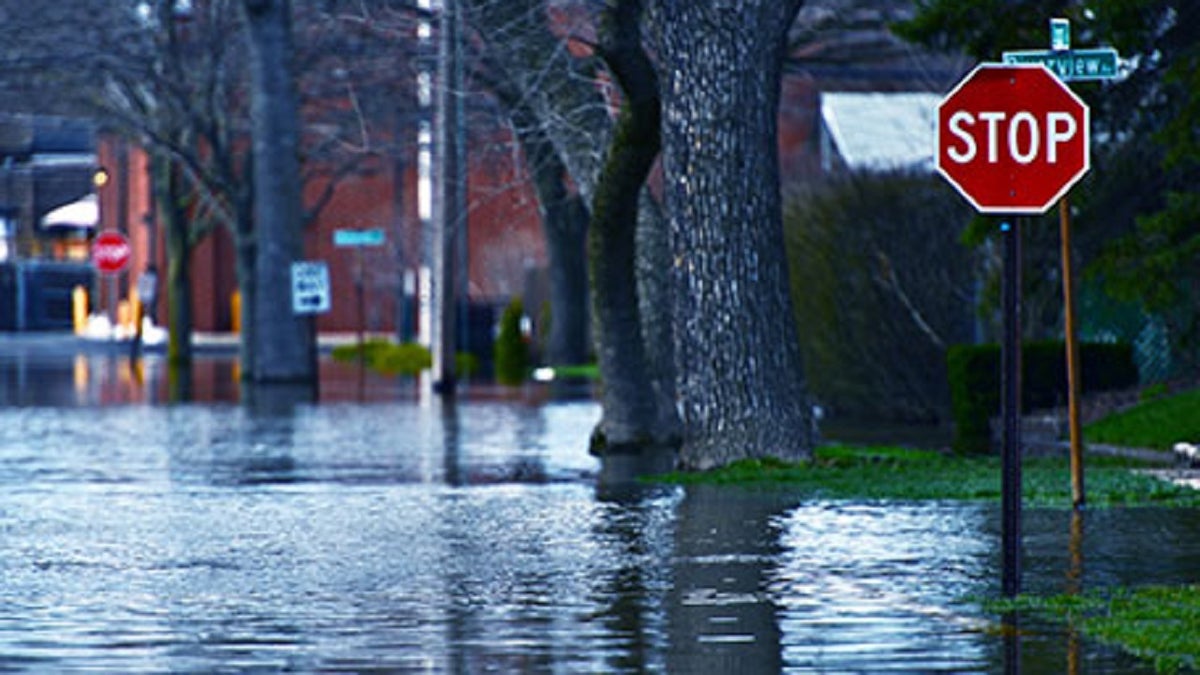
x=1159, y=423
x=879, y=473
x=1157, y=623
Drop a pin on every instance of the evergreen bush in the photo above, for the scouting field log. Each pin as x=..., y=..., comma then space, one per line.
x=511, y=350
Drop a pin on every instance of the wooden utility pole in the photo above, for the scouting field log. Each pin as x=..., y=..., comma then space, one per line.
x=1072, y=346
x=449, y=197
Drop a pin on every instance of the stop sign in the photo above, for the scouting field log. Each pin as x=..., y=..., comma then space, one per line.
x=110, y=252
x=1012, y=138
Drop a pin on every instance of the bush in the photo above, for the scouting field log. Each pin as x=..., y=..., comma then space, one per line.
x=880, y=284
x=974, y=373
x=511, y=349
x=387, y=357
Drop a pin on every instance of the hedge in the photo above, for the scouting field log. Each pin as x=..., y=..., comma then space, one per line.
x=974, y=373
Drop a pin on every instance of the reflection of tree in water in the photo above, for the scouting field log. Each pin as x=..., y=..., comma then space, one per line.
x=243, y=446
x=637, y=521
x=719, y=615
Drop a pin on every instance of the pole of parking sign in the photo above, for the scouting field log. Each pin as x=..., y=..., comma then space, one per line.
x=1011, y=410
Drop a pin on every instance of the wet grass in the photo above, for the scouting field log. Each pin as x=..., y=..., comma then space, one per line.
x=1158, y=423
x=583, y=371
x=894, y=473
x=1157, y=623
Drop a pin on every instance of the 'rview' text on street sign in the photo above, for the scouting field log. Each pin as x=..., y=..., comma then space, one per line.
x=345, y=238
x=310, y=287
x=1072, y=64
x=1012, y=139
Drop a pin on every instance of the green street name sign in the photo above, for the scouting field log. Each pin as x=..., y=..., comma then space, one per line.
x=352, y=238
x=1071, y=64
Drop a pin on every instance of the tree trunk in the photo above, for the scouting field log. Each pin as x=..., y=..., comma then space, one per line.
x=654, y=305
x=629, y=402
x=283, y=343
x=738, y=364
x=168, y=193
x=564, y=225
x=450, y=198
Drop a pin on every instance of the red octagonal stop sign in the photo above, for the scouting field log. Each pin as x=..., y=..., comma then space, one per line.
x=110, y=252
x=1012, y=138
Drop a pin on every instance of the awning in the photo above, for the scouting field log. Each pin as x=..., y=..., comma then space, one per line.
x=84, y=213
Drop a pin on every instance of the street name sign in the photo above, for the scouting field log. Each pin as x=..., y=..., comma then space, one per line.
x=310, y=287
x=1012, y=138
x=111, y=252
x=358, y=238
x=1071, y=65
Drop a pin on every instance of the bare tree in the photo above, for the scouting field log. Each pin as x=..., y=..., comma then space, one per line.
x=170, y=76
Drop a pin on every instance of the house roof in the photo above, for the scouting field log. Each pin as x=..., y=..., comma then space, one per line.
x=881, y=131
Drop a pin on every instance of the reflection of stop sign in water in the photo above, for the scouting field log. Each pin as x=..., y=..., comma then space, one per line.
x=110, y=252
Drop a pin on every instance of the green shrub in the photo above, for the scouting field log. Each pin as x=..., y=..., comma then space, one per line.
x=974, y=372
x=403, y=359
x=466, y=365
x=878, y=278
x=387, y=357
x=511, y=350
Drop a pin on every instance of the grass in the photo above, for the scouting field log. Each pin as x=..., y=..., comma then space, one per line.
x=1157, y=623
x=1157, y=423
x=891, y=473
x=585, y=371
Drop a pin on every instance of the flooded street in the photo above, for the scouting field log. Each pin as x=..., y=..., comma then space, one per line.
x=380, y=530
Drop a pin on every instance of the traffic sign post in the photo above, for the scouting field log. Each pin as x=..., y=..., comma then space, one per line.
x=358, y=240
x=1012, y=139
x=110, y=255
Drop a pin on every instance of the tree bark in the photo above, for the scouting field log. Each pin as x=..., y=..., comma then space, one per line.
x=168, y=195
x=283, y=344
x=630, y=413
x=738, y=364
x=565, y=226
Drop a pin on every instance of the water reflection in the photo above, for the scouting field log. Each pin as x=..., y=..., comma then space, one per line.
x=406, y=534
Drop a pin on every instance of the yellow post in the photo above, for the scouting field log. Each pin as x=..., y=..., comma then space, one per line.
x=79, y=309
x=1077, y=493
x=235, y=309
x=123, y=320
x=135, y=309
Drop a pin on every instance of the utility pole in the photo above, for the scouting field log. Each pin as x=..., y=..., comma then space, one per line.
x=449, y=198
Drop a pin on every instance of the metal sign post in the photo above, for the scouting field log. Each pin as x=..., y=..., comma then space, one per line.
x=358, y=240
x=1012, y=140
x=1071, y=65
x=1010, y=413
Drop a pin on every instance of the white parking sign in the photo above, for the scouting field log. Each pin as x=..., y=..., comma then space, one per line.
x=310, y=287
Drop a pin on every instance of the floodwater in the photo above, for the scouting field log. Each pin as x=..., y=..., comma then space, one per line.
x=381, y=530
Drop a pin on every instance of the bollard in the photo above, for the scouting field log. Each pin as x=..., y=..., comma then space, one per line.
x=123, y=316
x=79, y=309
x=235, y=312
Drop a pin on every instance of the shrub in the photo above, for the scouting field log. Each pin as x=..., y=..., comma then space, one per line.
x=387, y=357
x=511, y=349
x=879, y=282
x=974, y=373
